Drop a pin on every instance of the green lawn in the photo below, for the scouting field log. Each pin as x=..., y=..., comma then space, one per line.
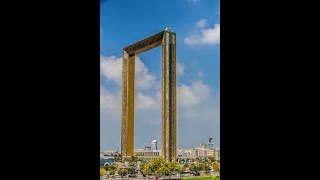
x=201, y=178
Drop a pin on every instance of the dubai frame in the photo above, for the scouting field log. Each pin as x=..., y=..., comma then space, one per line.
x=167, y=39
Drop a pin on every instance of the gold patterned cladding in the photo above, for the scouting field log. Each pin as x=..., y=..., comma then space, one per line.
x=169, y=134
x=164, y=113
x=124, y=103
x=174, y=99
x=166, y=105
x=130, y=106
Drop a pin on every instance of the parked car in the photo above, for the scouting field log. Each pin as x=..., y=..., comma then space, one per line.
x=184, y=174
x=196, y=174
x=132, y=175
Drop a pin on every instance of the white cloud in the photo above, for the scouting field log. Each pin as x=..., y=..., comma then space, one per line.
x=195, y=101
x=189, y=96
x=111, y=68
x=202, y=23
x=207, y=36
x=198, y=108
x=144, y=102
x=110, y=101
x=144, y=78
x=180, y=69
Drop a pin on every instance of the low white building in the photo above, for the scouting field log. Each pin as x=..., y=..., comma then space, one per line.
x=200, y=152
x=147, y=153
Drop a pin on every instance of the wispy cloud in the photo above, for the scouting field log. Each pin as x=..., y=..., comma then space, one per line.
x=198, y=104
x=202, y=23
x=189, y=96
x=206, y=36
x=180, y=69
x=111, y=69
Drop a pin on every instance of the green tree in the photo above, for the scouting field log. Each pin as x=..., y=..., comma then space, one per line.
x=205, y=164
x=193, y=160
x=132, y=161
x=206, y=168
x=216, y=166
x=174, y=167
x=132, y=170
x=141, y=169
x=212, y=159
x=122, y=172
x=196, y=167
x=201, y=166
x=161, y=168
x=162, y=171
x=112, y=167
x=192, y=167
x=112, y=172
x=150, y=167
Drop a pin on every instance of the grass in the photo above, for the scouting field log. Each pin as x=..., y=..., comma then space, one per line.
x=202, y=178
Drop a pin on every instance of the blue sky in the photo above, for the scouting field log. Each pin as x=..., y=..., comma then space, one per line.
x=197, y=24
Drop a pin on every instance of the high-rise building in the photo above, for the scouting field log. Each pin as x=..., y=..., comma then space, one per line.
x=210, y=144
x=154, y=145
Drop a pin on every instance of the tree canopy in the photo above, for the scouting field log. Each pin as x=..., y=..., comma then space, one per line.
x=159, y=167
x=216, y=166
x=122, y=172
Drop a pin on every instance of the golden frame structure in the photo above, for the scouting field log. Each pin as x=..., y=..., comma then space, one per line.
x=167, y=39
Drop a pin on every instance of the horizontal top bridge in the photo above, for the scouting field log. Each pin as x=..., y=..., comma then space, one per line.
x=145, y=44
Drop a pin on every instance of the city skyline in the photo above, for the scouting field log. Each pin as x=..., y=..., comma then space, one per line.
x=198, y=70
x=150, y=144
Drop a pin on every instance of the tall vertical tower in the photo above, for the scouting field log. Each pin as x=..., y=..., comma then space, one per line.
x=169, y=135
x=210, y=144
x=154, y=145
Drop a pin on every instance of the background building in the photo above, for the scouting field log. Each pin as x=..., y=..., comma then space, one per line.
x=203, y=151
x=154, y=145
x=210, y=144
x=147, y=153
x=216, y=152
